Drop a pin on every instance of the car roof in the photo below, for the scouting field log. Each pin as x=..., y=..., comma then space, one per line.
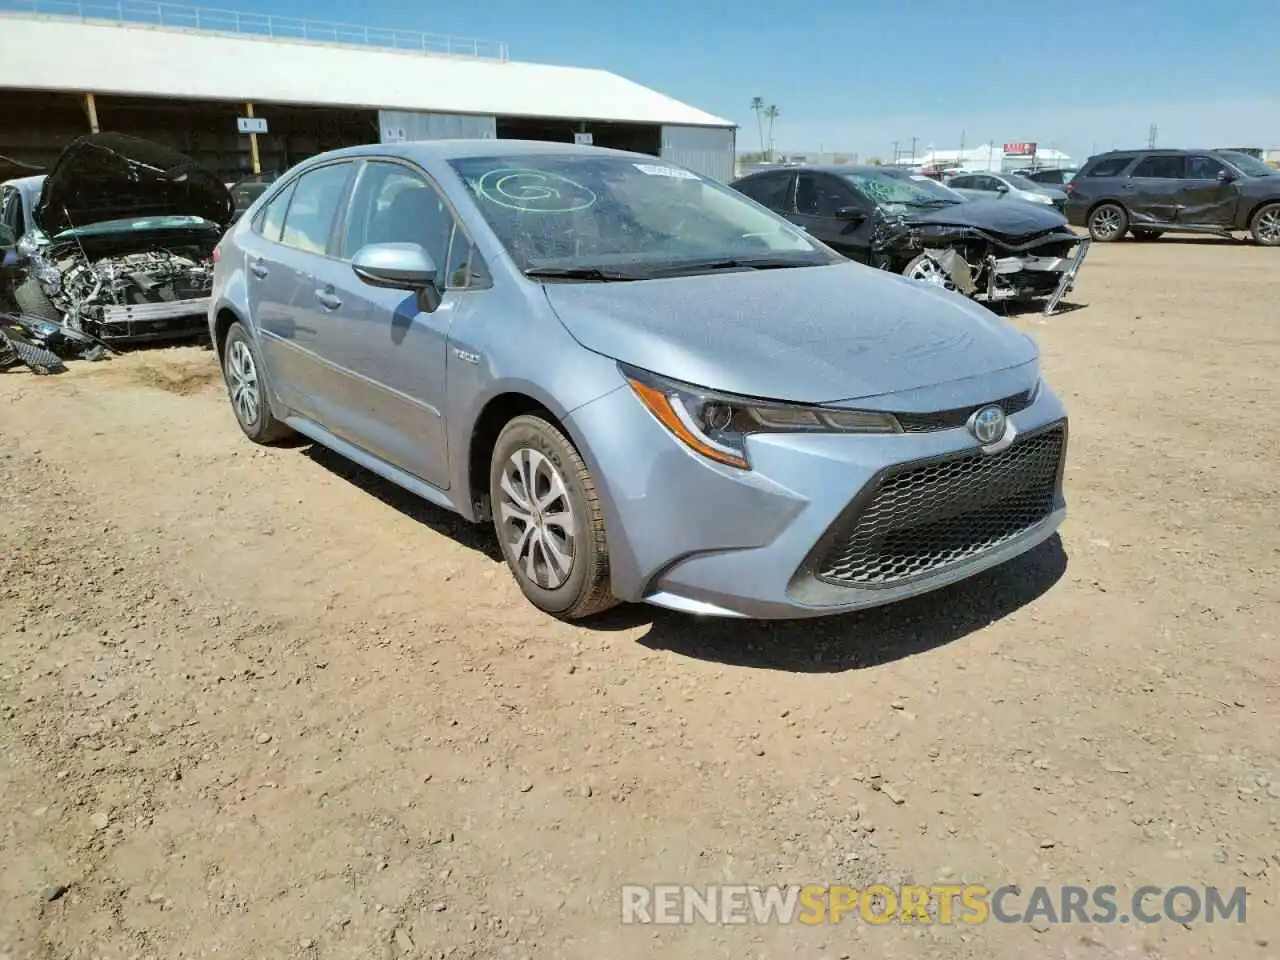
x=446, y=150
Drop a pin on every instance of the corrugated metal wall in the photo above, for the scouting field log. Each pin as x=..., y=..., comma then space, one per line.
x=398, y=125
x=708, y=150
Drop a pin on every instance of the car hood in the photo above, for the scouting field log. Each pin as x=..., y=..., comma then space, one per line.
x=110, y=176
x=996, y=216
x=803, y=335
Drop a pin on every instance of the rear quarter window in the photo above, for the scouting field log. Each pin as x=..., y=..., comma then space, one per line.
x=1111, y=167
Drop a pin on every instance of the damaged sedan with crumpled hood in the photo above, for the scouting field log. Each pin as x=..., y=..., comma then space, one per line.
x=118, y=241
x=991, y=250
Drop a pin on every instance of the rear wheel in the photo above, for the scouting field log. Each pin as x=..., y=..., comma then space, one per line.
x=1265, y=225
x=1108, y=222
x=242, y=371
x=548, y=519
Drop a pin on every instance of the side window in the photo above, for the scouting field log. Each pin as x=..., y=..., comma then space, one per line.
x=1159, y=168
x=393, y=204
x=271, y=220
x=1203, y=168
x=772, y=191
x=308, y=224
x=962, y=183
x=1111, y=167
x=818, y=195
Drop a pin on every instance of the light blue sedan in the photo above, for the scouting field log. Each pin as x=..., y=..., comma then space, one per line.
x=653, y=388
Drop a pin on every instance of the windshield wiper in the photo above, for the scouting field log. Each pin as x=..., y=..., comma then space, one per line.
x=588, y=274
x=730, y=263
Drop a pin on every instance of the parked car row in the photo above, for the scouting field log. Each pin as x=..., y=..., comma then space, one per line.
x=988, y=248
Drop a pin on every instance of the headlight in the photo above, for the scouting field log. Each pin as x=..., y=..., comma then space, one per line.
x=1043, y=198
x=717, y=425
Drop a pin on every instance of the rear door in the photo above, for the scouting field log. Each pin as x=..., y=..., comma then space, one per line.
x=1206, y=200
x=819, y=196
x=1153, y=191
x=292, y=235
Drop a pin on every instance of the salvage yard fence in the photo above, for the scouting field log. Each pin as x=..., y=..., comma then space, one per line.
x=182, y=16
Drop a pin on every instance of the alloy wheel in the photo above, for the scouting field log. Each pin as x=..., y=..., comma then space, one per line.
x=1106, y=223
x=536, y=518
x=242, y=372
x=928, y=271
x=1269, y=226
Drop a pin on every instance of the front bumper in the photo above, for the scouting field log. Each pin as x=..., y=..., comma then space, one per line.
x=691, y=535
x=151, y=321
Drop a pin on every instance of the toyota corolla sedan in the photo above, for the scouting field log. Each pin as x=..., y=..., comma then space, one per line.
x=654, y=388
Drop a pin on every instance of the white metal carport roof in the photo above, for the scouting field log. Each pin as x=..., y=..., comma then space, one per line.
x=63, y=55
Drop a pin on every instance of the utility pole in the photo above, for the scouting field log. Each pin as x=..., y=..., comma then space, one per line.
x=1151, y=137
x=895, y=153
x=913, y=149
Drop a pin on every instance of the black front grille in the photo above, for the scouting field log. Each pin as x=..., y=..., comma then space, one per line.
x=919, y=518
x=958, y=417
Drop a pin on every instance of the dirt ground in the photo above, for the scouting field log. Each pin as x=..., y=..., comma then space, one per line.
x=258, y=704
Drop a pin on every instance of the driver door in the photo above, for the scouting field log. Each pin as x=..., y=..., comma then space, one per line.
x=819, y=197
x=1206, y=200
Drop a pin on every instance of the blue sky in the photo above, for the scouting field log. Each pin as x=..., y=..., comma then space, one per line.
x=854, y=75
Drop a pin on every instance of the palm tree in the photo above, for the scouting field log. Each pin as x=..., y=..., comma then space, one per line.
x=771, y=114
x=757, y=107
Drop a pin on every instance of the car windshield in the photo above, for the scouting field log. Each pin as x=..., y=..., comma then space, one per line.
x=1249, y=166
x=1022, y=183
x=597, y=217
x=900, y=189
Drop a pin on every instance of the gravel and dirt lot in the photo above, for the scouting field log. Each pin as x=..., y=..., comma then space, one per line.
x=258, y=704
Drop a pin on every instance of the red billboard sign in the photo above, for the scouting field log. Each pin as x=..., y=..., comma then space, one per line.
x=1019, y=149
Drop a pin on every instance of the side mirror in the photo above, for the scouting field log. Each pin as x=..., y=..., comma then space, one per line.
x=399, y=266
x=1225, y=176
x=852, y=214
x=1001, y=188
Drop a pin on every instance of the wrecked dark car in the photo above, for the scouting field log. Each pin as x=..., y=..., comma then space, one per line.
x=116, y=242
x=992, y=251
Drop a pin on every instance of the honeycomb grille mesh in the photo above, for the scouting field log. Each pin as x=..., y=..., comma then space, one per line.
x=958, y=417
x=924, y=517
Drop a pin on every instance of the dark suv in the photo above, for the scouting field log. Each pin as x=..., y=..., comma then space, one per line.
x=1150, y=192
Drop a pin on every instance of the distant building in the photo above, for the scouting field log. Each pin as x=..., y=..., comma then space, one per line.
x=992, y=158
x=242, y=91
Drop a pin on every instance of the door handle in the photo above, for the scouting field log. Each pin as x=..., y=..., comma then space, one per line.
x=258, y=269
x=328, y=299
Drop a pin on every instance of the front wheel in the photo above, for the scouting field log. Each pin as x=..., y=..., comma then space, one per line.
x=1108, y=222
x=927, y=270
x=547, y=516
x=1265, y=225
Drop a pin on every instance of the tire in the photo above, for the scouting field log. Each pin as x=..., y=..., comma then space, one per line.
x=1108, y=222
x=29, y=297
x=1146, y=236
x=1265, y=225
x=924, y=269
x=242, y=373
x=532, y=452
